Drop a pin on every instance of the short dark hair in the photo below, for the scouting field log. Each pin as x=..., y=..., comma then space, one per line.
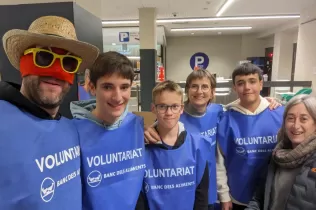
x=109, y=63
x=246, y=69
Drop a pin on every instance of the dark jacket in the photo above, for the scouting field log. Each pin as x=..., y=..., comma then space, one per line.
x=303, y=191
x=10, y=92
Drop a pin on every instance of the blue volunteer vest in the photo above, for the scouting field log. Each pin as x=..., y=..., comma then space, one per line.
x=39, y=162
x=247, y=142
x=207, y=126
x=172, y=176
x=113, y=164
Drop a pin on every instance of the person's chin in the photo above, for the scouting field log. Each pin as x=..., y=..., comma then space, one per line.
x=296, y=140
x=50, y=93
x=198, y=102
x=117, y=111
x=169, y=124
x=248, y=100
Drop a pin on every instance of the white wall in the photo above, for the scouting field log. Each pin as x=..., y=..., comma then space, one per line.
x=268, y=42
x=94, y=8
x=224, y=53
x=305, y=68
x=282, y=56
x=252, y=47
x=295, y=36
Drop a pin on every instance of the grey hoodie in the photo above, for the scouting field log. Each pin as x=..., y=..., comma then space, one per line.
x=221, y=173
x=83, y=110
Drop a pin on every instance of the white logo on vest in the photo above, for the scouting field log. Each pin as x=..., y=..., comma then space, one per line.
x=240, y=151
x=47, y=189
x=146, y=188
x=94, y=178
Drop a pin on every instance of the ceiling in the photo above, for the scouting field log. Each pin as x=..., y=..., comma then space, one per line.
x=111, y=35
x=127, y=10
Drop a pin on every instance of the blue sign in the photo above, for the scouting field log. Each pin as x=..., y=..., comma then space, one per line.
x=124, y=36
x=199, y=60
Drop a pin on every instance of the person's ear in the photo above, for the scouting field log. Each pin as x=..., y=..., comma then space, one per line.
x=153, y=108
x=261, y=84
x=92, y=88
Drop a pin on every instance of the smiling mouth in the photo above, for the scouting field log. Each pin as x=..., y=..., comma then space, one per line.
x=51, y=82
x=115, y=106
x=297, y=133
x=199, y=97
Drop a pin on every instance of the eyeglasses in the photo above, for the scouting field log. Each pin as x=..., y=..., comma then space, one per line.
x=204, y=88
x=44, y=59
x=162, y=108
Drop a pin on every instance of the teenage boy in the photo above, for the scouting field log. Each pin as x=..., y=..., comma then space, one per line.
x=247, y=134
x=39, y=149
x=111, y=139
x=177, y=174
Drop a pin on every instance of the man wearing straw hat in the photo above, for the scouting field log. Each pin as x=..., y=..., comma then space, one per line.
x=39, y=149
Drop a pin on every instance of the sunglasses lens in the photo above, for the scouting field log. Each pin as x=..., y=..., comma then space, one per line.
x=43, y=58
x=70, y=64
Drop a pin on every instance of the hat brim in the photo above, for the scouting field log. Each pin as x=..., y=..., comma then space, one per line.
x=16, y=41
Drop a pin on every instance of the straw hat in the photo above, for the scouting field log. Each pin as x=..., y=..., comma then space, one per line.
x=48, y=31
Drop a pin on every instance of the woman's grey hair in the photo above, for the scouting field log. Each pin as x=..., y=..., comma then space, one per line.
x=310, y=104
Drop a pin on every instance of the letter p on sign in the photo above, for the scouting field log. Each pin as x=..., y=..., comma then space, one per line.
x=124, y=36
x=200, y=60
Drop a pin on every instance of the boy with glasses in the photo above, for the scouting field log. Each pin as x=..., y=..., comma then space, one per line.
x=177, y=172
x=111, y=138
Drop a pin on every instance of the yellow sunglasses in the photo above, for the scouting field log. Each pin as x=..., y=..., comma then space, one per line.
x=44, y=59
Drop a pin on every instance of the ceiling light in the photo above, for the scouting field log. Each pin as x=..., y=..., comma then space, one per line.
x=226, y=18
x=133, y=57
x=203, y=19
x=113, y=44
x=258, y=17
x=224, y=7
x=212, y=28
x=114, y=22
x=192, y=33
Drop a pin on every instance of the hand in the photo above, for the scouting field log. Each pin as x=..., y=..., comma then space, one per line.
x=151, y=135
x=227, y=205
x=273, y=103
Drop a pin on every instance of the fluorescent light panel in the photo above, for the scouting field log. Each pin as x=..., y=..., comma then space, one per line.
x=114, y=22
x=181, y=20
x=212, y=28
x=133, y=57
x=226, y=18
x=224, y=7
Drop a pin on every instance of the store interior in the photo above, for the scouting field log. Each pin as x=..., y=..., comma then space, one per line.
x=271, y=43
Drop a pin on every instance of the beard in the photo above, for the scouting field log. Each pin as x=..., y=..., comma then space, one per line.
x=44, y=97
